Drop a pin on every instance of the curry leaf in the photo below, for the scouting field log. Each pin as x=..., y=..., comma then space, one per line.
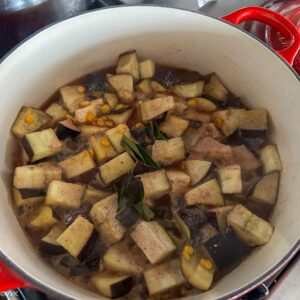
x=154, y=132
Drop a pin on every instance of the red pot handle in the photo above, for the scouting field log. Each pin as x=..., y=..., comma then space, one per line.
x=9, y=280
x=274, y=19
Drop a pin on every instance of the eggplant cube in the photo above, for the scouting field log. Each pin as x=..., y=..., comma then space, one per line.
x=115, y=136
x=111, y=99
x=20, y=201
x=147, y=68
x=255, y=119
x=245, y=158
x=230, y=179
x=103, y=214
x=123, y=85
x=208, y=193
x=36, y=177
x=249, y=227
x=43, y=220
x=76, y=236
x=266, y=189
x=94, y=107
x=162, y=278
x=93, y=195
x=120, y=258
x=216, y=89
x=41, y=144
x=56, y=111
x=220, y=249
x=71, y=96
x=63, y=194
x=179, y=180
x=155, y=184
x=103, y=153
x=66, y=129
x=77, y=164
x=270, y=159
x=112, y=285
x=29, y=120
x=120, y=118
x=129, y=64
x=116, y=168
x=153, y=240
x=48, y=243
x=218, y=217
x=151, y=109
x=189, y=90
x=174, y=126
x=196, y=169
x=169, y=151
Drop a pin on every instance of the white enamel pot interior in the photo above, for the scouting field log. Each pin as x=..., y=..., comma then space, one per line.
x=70, y=49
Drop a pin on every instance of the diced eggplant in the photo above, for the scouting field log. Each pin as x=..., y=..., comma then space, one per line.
x=153, y=240
x=116, y=168
x=210, y=149
x=94, y=108
x=169, y=151
x=208, y=193
x=20, y=202
x=41, y=144
x=206, y=232
x=189, y=90
x=196, y=169
x=128, y=216
x=199, y=275
x=66, y=129
x=77, y=164
x=227, y=120
x=254, y=139
x=63, y=194
x=196, y=116
x=48, y=243
x=255, y=119
x=270, y=159
x=155, y=184
x=122, y=259
x=262, y=210
x=103, y=214
x=218, y=217
x=144, y=88
x=174, y=126
x=72, y=96
x=189, y=220
x=123, y=85
x=43, y=220
x=31, y=193
x=157, y=87
x=129, y=64
x=203, y=104
x=226, y=250
x=163, y=278
x=249, y=227
x=120, y=118
x=92, y=195
x=76, y=236
x=102, y=148
x=245, y=158
x=90, y=130
x=111, y=99
x=57, y=112
x=29, y=120
x=36, y=177
x=115, y=136
x=230, y=179
x=216, y=89
x=151, y=109
x=266, y=189
x=112, y=285
x=179, y=180
x=147, y=68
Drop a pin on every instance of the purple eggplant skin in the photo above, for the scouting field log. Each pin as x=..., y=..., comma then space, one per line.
x=226, y=250
x=63, y=132
x=90, y=244
x=27, y=148
x=93, y=258
x=254, y=139
x=262, y=210
x=51, y=249
x=128, y=216
x=31, y=193
x=121, y=288
x=193, y=217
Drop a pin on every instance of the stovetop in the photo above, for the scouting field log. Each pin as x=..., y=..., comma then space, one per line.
x=18, y=26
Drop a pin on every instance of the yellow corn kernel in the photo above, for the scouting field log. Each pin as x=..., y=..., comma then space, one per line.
x=105, y=143
x=29, y=119
x=92, y=153
x=188, y=252
x=119, y=106
x=192, y=103
x=70, y=117
x=84, y=103
x=100, y=122
x=121, y=128
x=81, y=89
x=206, y=263
x=109, y=123
x=105, y=108
x=90, y=116
x=218, y=122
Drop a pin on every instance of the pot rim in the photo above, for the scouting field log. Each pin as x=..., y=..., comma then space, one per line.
x=232, y=295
